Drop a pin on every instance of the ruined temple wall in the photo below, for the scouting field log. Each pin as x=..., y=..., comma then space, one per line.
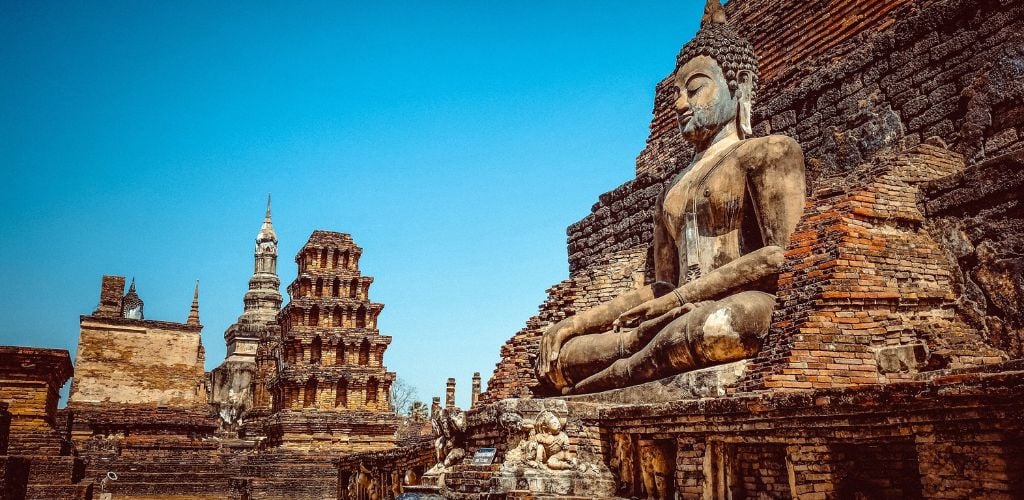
x=139, y=362
x=36, y=459
x=848, y=79
x=978, y=217
x=951, y=437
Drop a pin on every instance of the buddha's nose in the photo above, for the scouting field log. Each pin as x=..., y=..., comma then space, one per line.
x=682, y=105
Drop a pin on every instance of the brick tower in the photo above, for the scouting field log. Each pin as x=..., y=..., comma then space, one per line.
x=330, y=372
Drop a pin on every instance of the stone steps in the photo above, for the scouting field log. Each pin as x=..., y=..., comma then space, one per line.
x=59, y=491
x=299, y=487
x=172, y=477
x=46, y=445
x=274, y=469
x=53, y=470
x=165, y=488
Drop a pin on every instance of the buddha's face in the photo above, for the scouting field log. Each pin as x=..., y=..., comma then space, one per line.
x=704, y=105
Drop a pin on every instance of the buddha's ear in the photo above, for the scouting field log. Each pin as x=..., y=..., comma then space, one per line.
x=744, y=97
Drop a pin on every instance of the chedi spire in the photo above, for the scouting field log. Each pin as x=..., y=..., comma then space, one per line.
x=267, y=229
x=193, y=314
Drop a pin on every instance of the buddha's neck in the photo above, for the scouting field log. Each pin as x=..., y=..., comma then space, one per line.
x=721, y=141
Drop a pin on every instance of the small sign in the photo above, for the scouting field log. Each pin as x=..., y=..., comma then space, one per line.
x=484, y=456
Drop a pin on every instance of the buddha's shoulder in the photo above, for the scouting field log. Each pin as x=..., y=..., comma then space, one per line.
x=770, y=148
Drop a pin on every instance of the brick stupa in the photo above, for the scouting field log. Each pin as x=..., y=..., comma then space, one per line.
x=331, y=375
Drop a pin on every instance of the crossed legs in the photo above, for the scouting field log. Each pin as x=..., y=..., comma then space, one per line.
x=715, y=332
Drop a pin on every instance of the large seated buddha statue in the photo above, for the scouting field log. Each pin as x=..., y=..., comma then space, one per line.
x=720, y=230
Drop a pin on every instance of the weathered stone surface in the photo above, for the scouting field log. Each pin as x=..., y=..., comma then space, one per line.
x=130, y=361
x=393, y=473
x=978, y=216
x=704, y=383
x=508, y=427
x=36, y=457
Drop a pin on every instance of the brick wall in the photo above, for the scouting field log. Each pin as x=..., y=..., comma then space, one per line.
x=36, y=459
x=30, y=382
x=139, y=362
x=953, y=436
x=978, y=217
x=864, y=287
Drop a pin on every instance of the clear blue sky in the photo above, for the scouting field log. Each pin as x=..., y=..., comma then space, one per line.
x=454, y=141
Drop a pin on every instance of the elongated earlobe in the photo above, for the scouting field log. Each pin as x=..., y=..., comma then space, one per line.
x=745, y=118
x=744, y=95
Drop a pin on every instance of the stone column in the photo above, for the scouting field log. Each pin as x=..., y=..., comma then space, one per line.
x=449, y=394
x=435, y=406
x=476, y=389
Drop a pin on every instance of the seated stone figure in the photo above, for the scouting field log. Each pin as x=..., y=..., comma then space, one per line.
x=720, y=230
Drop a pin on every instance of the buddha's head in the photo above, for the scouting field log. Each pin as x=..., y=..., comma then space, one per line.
x=715, y=80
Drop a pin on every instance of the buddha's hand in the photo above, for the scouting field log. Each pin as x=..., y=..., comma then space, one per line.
x=633, y=317
x=550, y=346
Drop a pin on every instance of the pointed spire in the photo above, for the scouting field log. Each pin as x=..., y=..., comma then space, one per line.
x=267, y=229
x=193, y=314
x=714, y=13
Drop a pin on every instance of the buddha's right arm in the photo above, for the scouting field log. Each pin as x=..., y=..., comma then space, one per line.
x=600, y=318
x=597, y=319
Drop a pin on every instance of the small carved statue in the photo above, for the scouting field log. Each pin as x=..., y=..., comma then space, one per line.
x=542, y=444
x=550, y=443
x=720, y=230
x=656, y=468
x=623, y=463
x=449, y=426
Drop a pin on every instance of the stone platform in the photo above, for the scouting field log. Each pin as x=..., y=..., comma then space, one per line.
x=947, y=434
x=704, y=383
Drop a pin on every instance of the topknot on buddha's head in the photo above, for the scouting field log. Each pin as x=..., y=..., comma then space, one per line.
x=719, y=41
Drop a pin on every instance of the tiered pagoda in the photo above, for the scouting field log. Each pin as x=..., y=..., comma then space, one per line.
x=331, y=389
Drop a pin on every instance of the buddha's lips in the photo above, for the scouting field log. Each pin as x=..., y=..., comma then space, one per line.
x=684, y=118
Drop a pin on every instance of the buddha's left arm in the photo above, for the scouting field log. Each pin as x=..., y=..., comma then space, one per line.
x=777, y=183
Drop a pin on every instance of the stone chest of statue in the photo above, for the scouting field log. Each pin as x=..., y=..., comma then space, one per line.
x=720, y=230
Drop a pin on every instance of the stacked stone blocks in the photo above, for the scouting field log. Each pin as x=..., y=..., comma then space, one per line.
x=36, y=457
x=331, y=352
x=866, y=295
